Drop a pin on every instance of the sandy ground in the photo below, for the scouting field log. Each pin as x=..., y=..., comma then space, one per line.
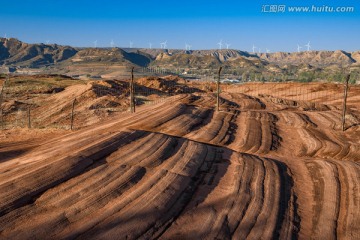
x=263, y=167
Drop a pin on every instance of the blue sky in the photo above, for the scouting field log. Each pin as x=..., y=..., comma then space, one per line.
x=201, y=24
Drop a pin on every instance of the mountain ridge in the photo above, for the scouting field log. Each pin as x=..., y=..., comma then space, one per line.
x=18, y=54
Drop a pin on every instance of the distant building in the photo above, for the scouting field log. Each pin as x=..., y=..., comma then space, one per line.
x=28, y=71
x=230, y=80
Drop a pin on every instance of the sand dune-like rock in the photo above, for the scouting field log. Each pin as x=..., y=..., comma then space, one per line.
x=180, y=170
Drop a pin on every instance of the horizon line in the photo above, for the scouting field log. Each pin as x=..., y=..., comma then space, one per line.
x=180, y=49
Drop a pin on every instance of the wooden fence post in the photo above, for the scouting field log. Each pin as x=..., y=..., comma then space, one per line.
x=1, y=100
x=29, y=117
x=132, y=88
x=346, y=86
x=72, y=114
x=2, y=119
x=218, y=91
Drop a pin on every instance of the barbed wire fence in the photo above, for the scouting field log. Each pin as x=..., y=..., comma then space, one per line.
x=22, y=107
x=297, y=92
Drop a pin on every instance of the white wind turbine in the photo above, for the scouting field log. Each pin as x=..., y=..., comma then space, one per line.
x=112, y=44
x=259, y=50
x=227, y=45
x=131, y=44
x=187, y=46
x=47, y=41
x=150, y=45
x=163, y=45
x=253, y=48
x=220, y=44
x=267, y=50
x=95, y=43
x=299, y=48
x=308, y=46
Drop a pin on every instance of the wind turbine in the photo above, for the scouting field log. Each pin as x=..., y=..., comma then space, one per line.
x=163, y=45
x=112, y=44
x=131, y=44
x=299, y=48
x=308, y=46
x=187, y=46
x=267, y=50
x=47, y=41
x=220, y=44
x=253, y=48
x=95, y=43
x=259, y=50
x=227, y=45
x=150, y=45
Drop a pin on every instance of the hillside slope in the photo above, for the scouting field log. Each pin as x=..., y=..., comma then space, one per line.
x=14, y=52
x=180, y=170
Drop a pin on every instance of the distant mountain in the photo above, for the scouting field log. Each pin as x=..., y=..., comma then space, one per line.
x=356, y=56
x=208, y=59
x=315, y=58
x=14, y=53
x=117, y=55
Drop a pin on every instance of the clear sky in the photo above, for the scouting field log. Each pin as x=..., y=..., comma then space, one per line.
x=200, y=23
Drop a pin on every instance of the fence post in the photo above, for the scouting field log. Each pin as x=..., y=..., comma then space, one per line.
x=218, y=91
x=2, y=119
x=72, y=114
x=132, y=100
x=3, y=89
x=346, y=86
x=1, y=100
x=29, y=117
